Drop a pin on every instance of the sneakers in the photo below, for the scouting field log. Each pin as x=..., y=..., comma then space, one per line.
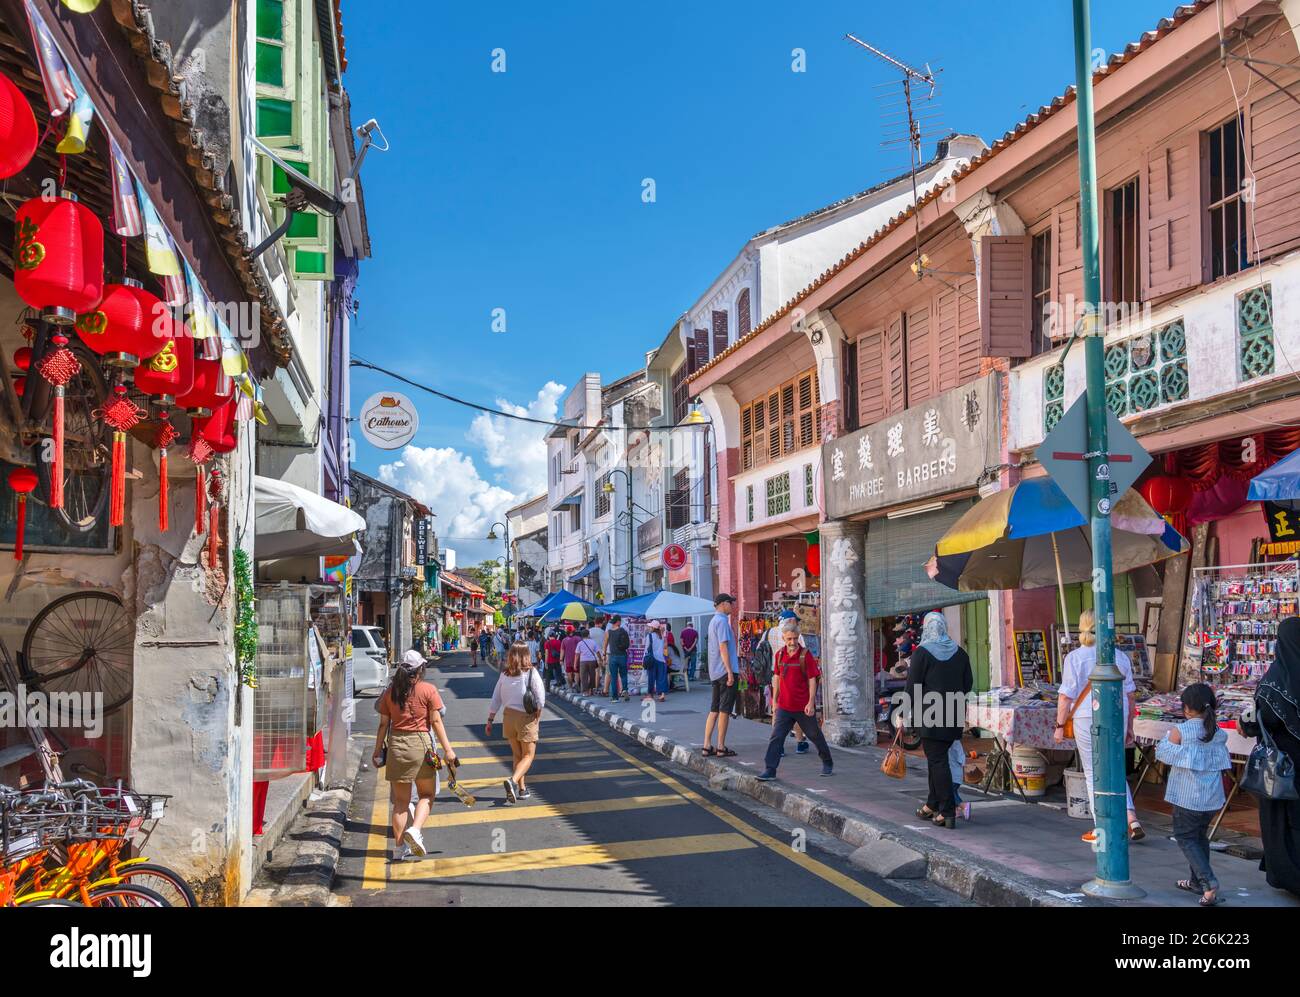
x=828, y=770
x=803, y=747
x=403, y=854
x=525, y=793
x=1090, y=837
x=414, y=841
x=767, y=775
x=512, y=793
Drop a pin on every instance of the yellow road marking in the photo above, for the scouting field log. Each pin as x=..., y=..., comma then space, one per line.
x=502, y=743
x=375, y=873
x=545, y=757
x=552, y=777
x=781, y=848
x=494, y=815
x=570, y=856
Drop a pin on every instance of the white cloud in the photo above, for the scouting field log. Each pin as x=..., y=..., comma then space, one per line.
x=448, y=481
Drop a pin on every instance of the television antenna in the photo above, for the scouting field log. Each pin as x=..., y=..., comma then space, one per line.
x=910, y=118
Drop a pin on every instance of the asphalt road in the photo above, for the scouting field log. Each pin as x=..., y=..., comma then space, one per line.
x=610, y=822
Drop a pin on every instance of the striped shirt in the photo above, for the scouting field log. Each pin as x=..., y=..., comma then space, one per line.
x=1195, y=767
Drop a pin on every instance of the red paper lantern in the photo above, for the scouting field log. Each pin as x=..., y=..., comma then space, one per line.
x=128, y=326
x=1166, y=494
x=18, y=133
x=20, y=386
x=169, y=373
x=812, y=561
x=58, y=257
x=212, y=388
x=23, y=358
x=23, y=481
x=218, y=429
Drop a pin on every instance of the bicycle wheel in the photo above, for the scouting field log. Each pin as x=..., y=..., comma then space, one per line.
x=126, y=895
x=171, y=886
x=52, y=902
x=82, y=643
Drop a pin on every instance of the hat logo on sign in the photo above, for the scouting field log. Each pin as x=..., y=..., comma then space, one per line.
x=389, y=420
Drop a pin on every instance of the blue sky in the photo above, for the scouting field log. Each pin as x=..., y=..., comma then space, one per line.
x=522, y=190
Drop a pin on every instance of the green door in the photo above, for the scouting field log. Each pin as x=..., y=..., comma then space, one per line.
x=975, y=638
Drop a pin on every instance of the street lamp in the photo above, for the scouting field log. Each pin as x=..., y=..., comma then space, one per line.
x=492, y=535
x=609, y=490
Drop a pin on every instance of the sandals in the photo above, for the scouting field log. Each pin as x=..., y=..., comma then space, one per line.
x=725, y=753
x=1187, y=886
x=939, y=820
x=925, y=813
x=709, y=752
x=1213, y=901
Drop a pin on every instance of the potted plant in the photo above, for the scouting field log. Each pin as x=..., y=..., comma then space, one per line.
x=449, y=635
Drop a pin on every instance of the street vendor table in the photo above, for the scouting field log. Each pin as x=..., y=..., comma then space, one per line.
x=1028, y=724
x=1148, y=732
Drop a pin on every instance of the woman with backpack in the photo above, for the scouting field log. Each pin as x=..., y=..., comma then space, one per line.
x=520, y=692
x=408, y=709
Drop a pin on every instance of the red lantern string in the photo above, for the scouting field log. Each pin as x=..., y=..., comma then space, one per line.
x=22, y=480
x=122, y=414
x=166, y=437
x=58, y=366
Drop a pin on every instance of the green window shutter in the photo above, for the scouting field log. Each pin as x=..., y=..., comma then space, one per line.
x=270, y=19
x=274, y=118
x=270, y=64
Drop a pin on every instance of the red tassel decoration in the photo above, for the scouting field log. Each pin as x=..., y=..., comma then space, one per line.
x=166, y=436
x=59, y=366
x=22, y=480
x=214, y=523
x=200, y=453
x=122, y=414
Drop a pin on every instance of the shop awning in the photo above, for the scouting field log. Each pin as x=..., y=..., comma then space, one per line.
x=574, y=500
x=293, y=522
x=592, y=567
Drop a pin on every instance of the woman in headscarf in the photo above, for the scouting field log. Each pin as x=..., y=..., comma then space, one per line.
x=938, y=680
x=1277, y=710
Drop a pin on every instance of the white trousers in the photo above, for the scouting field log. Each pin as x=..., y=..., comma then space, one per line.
x=1084, y=743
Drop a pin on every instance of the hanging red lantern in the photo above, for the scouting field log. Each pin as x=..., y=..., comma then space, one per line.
x=18, y=133
x=218, y=429
x=1166, y=494
x=58, y=257
x=20, y=386
x=812, y=561
x=23, y=481
x=128, y=326
x=23, y=358
x=122, y=414
x=169, y=373
x=212, y=387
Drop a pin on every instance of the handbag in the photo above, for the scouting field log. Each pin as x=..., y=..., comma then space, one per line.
x=530, y=700
x=430, y=756
x=1069, y=721
x=895, y=763
x=1270, y=773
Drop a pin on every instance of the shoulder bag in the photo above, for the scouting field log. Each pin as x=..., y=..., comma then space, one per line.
x=1069, y=721
x=1270, y=773
x=895, y=763
x=530, y=699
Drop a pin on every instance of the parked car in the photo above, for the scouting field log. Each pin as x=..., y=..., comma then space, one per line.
x=369, y=659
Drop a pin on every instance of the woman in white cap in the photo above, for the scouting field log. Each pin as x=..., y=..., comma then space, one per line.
x=409, y=708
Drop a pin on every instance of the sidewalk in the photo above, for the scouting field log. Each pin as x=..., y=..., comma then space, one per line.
x=1009, y=854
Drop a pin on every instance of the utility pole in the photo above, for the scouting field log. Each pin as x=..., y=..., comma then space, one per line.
x=1108, y=720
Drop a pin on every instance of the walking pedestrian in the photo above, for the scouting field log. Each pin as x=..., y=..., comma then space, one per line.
x=587, y=662
x=518, y=688
x=723, y=665
x=656, y=666
x=553, y=648
x=691, y=649
x=596, y=634
x=1074, y=702
x=408, y=709
x=617, y=642
x=569, y=652
x=534, y=648
x=1196, y=752
x=938, y=680
x=1277, y=714
x=794, y=689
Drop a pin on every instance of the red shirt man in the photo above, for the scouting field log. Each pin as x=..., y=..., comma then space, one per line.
x=793, y=669
x=553, y=649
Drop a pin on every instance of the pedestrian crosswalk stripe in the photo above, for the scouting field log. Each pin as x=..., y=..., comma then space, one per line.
x=537, y=811
x=569, y=856
x=553, y=777
x=503, y=743
x=782, y=848
x=505, y=759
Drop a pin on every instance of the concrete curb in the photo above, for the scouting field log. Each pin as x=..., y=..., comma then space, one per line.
x=987, y=883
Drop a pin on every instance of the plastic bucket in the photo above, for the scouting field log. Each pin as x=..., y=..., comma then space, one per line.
x=1077, y=803
x=1030, y=768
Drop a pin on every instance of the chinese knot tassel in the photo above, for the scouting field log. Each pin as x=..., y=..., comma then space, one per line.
x=122, y=414
x=162, y=490
x=58, y=366
x=199, y=491
x=214, y=522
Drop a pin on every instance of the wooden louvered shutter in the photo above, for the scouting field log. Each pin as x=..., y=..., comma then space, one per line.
x=1067, y=261
x=1274, y=137
x=774, y=425
x=807, y=403
x=969, y=331
x=943, y=322
x=747, y=437
x=896, y=377
x=1171, y=218
x=1006, y=298
x=788, y=434
x=701, y=347
x=742, y=314
x=760, y=432
x=919, y=359
x=719, y=332
x=873, y=395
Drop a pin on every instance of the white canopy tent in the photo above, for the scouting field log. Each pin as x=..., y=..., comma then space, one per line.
x=293, y=522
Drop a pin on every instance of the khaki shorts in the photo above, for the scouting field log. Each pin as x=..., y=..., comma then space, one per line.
x=520, y=726
x=406, y=762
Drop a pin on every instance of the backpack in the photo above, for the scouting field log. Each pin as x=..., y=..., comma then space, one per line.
x=760, y=660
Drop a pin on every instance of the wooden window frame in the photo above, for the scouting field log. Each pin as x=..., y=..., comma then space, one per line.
x=758, y=446
x=1235, y=200
x=1113, y=255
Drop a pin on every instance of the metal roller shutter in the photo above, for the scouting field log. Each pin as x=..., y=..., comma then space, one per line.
x=896, y=553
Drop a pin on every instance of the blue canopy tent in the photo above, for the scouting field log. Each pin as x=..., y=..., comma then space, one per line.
x=660, y=605
x=1280, y=484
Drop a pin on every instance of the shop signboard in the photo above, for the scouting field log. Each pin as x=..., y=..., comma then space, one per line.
x=422, y=532
x=389, y=420
x=939, y=446
x=674, y=557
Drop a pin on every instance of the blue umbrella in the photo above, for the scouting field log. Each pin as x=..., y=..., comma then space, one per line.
x=660, y=605
x=552, y=603
x=1280, y=483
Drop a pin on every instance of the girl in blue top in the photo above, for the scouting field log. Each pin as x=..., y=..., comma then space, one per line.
x=1196, y=752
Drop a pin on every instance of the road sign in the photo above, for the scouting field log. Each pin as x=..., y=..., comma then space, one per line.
x=1064, y=454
